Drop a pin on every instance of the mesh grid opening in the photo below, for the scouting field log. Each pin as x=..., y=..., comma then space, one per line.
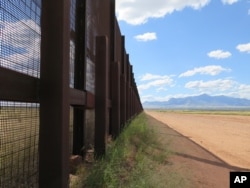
x=20, y=40
x=72, y=43
x=19, y=129
x=20, y=36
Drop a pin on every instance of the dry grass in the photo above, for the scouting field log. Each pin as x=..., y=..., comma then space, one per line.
x=18, y=146
x=135, y=159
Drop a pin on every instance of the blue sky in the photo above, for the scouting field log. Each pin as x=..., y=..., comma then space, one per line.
x=186, y=48
x=20, y=38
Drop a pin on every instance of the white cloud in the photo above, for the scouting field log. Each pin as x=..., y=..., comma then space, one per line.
x=146, y=37
x=244, y=47
x=243, y=91
x=23, y=31
x=236, y=90
x=157, y=81
x=219, y=54
x=149, y=76
x=230, y=2
x=248, y=12
x=211, y=86
x=147, y=98
x=153, y=98
x=161, y=89
x=138, y=12
x=22, y=38
x=207, y=70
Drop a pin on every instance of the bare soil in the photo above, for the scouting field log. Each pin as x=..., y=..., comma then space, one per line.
x=206, y=147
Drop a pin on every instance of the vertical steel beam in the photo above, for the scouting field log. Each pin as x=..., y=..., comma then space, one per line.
x=80, y=75
x=128, y=89
x=54, y=95
x=112, y=30
x=123, y=84
x=123, y=99
x=131, y=89
x=115, y=124
x=78, y=131
x=101, y=95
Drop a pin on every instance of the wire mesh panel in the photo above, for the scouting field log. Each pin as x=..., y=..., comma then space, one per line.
x=72, y=64
x=19, y=127
x=20, y=40
x=72, y=43
x=71, y=119
x=20, y=36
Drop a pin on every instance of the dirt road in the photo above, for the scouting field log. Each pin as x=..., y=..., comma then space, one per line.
x=204, y=156
x=226, y=136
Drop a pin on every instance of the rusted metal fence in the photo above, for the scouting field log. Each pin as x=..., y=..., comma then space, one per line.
x=66, y=84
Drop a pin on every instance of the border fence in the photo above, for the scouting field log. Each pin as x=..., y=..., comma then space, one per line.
x=66, y=84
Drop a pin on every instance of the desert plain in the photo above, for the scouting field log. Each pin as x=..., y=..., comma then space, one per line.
x=227, y=136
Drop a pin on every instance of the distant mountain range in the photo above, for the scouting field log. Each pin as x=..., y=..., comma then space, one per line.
x=202, y=102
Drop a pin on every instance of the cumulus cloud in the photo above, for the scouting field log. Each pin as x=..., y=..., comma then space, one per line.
x=21, y=46
x=227, y=87
x=219, y=54
x=138, y=12
x=243, y=91
x=207, y=70
x=209, y=86
x=229, y=2
x=161, y=89
x=157, y=81
x=145, y=98
x=244, y=47
x=146, y=37
x=149, y=76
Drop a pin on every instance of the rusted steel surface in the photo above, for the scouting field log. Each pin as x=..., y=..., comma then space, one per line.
x=101, y=96
x=80, y=48
x=117, y=47
x=82, y=97
x=84, y=64
x=116, y=107
x=54, y=95
x=78, y=97
x=17, y=86
x=78, y=130
x=123, y=82
x=123, y=100
x=90, y=100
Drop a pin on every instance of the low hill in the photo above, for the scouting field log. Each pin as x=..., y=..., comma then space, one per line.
x=201, y=101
